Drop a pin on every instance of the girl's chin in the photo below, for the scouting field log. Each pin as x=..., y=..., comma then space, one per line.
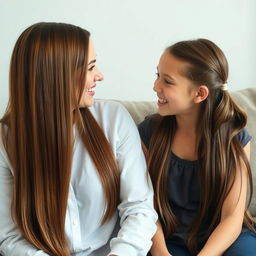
x=164, y=112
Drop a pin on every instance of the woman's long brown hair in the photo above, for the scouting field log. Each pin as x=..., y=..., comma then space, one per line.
x=38, y=132
x=219, y=151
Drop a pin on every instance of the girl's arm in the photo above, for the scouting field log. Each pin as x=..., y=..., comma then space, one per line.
x=159, y=246
x=232, y=215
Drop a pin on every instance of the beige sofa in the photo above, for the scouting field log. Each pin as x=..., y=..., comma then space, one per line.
x=245, y=98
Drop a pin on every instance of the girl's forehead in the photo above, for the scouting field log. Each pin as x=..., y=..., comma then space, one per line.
x=169, y=63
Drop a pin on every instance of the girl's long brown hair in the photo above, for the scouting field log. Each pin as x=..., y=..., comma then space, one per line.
x=219, y=151
x=38, y=132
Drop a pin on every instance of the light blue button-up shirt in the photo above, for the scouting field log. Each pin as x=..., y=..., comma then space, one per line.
x=85, y=234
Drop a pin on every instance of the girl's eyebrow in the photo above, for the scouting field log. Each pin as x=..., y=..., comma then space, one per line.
x=169, y=77
x=172, y=78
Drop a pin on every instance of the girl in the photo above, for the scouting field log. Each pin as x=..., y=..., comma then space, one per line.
x=66, y=163
x=198, y=156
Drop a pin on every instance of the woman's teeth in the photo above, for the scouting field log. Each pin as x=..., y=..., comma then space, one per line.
x=90, y=90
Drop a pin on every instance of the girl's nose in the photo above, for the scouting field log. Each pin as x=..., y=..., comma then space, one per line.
x=156, y=87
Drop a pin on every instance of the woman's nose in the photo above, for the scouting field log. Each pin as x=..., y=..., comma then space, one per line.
x=98, y=75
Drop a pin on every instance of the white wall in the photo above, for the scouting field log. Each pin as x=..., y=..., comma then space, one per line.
x=130, y=35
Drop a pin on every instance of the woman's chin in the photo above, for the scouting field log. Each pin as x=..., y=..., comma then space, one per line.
x=87, y=102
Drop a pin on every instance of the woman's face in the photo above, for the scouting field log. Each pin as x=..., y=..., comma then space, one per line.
x=93, y=75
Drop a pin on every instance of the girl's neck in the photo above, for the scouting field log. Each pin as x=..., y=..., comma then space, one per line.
x=187, y=123
x=184, y=144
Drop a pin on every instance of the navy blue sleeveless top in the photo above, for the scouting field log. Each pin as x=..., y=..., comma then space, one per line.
x=183, y=187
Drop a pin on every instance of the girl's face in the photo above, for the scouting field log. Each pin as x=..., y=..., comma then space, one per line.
x=92, y=76
x=175, y=92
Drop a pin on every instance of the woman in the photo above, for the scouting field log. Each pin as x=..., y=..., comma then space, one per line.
x=68, y=163
x=198, y=156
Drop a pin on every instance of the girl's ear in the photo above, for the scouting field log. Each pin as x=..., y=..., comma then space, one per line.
x=202, y=93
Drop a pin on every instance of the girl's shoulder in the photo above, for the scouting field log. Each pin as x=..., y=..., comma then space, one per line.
x=244, y=137
x=146, y=128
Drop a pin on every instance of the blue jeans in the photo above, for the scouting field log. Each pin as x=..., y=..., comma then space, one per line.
x=245, y=245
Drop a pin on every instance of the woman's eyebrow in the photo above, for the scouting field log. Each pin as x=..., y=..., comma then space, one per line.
x=92, y=61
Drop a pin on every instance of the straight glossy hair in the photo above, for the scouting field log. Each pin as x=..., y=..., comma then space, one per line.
x=219, y=151
x=38, y=132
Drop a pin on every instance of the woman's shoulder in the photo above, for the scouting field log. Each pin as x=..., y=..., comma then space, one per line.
x=3, y=131
x=107, y=107
x=111, y=115
x=4, y=160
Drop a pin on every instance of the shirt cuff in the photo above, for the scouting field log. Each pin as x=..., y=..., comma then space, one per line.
x=123, y=249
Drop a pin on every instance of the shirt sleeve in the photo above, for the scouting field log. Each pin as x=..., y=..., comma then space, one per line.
x=12, y=243
x=136, y=210
x=244, y=137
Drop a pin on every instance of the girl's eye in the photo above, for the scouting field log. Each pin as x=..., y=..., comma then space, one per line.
x=91, y=68
x=167, y=82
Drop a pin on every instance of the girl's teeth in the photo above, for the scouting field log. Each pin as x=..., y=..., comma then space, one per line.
x=162, y=100
x=89, y=90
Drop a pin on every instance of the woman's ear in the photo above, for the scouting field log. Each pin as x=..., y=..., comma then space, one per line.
x=202, y=93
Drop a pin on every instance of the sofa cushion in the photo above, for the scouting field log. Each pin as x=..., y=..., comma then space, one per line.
x=247, y=100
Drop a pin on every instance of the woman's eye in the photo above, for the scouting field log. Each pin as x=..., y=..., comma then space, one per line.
x=157, y=74
x=91, y=68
